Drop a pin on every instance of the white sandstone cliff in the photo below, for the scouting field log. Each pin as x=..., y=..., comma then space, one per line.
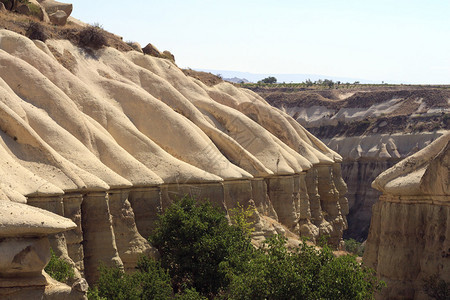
x=111, y=142
x=409, y=238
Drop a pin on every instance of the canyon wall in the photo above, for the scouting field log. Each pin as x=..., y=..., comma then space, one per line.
x=109, y=139
x=25, y=251
x=409, y=238
x=371, y=127
x=364, y=158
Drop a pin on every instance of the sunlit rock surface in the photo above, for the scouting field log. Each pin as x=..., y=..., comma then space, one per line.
x=25, y=251
x=409, y=238
x=112, y=141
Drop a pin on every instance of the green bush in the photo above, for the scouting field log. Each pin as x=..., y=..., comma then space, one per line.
x=276, y=272
x=190, y=294
x=207, y=257
x=59, y=269
x=240, y=217
x=199, y=247
x=268, y=80
x=35, y=10
x=354, y=247
x=149, y=282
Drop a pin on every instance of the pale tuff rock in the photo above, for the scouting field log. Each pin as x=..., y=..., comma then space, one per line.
x=48, y=11
x=365, y=157
x=130, y=244
x=74, y=238
x=99, y=241
x=21, y=220
x=58, y=242
x=25, y=250
x=409, y=232
x=113, y=141
x=57, y=12
x=421, y=173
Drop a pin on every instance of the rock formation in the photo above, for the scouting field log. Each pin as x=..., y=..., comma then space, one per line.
x=49, y=11
x=365, y=157
x=409, y=238
x=372, y=128
x=25, y=251
x=112, y=141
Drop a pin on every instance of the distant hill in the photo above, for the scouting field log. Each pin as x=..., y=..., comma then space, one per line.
x=287, y=78
x=236, y=80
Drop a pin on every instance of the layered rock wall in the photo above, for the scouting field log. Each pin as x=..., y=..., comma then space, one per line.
x=372, y=128
x=409, y=238
x=25, y=251
x=113, y=141
x=366, y=157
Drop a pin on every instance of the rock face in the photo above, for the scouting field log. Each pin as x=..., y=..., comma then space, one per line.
x=57, y=12
x=409, y=238
x=49, y=11
x=365, y=157
x=372, y=128
x=112, y=141
x=25, y=251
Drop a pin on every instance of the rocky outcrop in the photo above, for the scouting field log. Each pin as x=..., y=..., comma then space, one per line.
x=25, y=251
x=409, y=238
x=364, y=158
x=57, y=12
x=49, y=11
x=112, y=142
x=372, y=128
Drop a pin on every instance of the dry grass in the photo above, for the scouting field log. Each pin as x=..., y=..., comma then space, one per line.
x=20, y=23
x=207, y=78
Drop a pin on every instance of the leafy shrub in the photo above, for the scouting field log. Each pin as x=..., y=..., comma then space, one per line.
x=93, y=37
x=207, y=257
x=275, y=272
x=199, y=247
x=268, y=80
x=240, y=216
x=149, y=282
x=36, y=31
x=93, y=294
x=354, y=247
x=59, y=269
x=190, y=294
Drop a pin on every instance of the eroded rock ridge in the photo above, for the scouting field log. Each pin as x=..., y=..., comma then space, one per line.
x=112, y=140
x=409, y=238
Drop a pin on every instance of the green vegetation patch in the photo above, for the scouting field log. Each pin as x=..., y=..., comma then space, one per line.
x=204, y=256
x=59, y=269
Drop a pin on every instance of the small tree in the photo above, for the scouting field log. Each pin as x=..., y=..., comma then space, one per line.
x=149, y=282
x=329, y=83
x=268, y=80
x=198, y=246
x=308, y=82
x=59, y=269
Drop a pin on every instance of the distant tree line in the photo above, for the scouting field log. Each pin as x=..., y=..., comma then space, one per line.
x=325, y=83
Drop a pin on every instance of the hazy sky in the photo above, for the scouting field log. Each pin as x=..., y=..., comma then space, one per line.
x=398, y=40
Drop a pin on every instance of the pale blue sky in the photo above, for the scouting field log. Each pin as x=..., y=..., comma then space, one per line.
x=399, y=40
